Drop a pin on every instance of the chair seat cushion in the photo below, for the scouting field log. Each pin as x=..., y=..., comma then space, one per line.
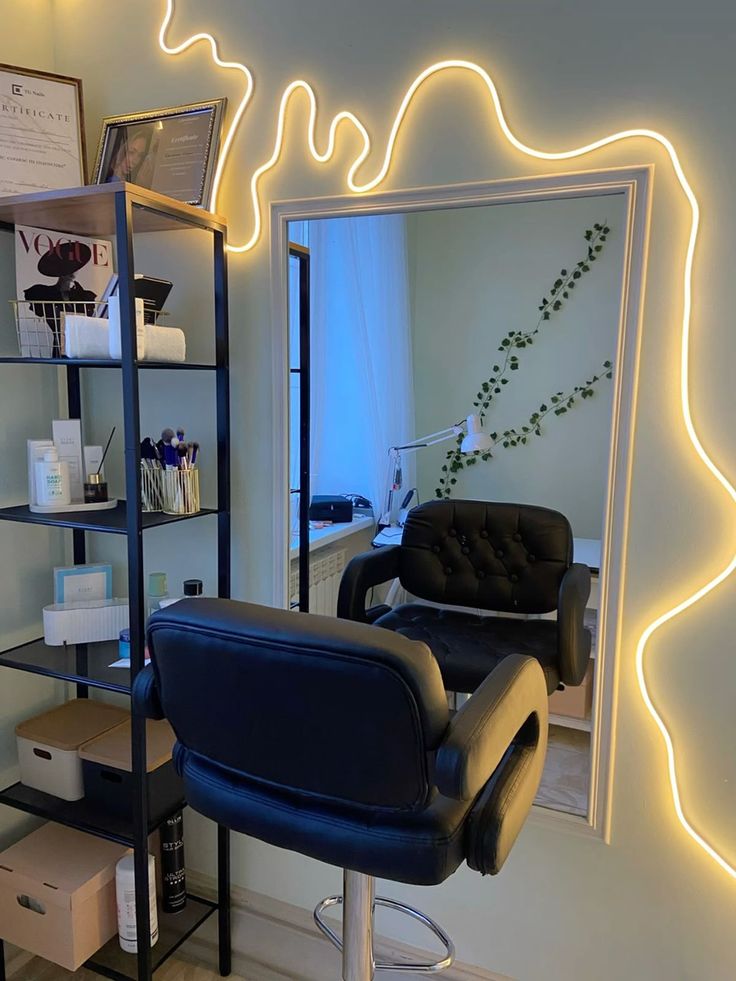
x=468, y=647
x=422, y=846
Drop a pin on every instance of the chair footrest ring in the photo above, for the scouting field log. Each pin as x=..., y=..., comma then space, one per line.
x=416, y=914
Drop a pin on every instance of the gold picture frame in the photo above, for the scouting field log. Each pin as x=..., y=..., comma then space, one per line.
x=172, y=151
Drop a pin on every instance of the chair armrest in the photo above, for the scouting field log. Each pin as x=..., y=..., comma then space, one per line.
x=509, y=707
x=573, y=640
x=362, y=572
x=146, y=701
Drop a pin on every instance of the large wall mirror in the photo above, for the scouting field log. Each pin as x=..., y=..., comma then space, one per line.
x=516, y=305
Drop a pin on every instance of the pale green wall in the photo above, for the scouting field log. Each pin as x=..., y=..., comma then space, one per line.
x=650, y=905
x=476, y=274
x=28, y=552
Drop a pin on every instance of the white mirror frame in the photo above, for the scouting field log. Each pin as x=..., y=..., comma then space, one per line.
x=635, y=183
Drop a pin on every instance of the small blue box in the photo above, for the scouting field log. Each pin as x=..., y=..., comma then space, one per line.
x=78, y=583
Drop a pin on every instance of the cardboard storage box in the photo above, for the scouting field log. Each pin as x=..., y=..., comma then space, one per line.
x=57, y=894
x=48, y=745
x=575, y=701
x=107, y=765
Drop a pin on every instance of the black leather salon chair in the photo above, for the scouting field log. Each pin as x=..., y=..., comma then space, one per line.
x=334, y=739
x=506, y=558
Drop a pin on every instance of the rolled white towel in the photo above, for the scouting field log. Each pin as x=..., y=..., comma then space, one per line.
x=113, y=308
x=165, y=344
x=86, y=337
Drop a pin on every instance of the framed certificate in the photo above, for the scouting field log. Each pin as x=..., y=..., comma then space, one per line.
x=172, y=151
x=41, y=131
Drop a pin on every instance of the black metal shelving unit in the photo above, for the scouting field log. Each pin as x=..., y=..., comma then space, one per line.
x=117, y=211
x=301, y=255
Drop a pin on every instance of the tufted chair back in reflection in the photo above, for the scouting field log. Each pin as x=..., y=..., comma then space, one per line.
x=505, y=558
x=333, y=739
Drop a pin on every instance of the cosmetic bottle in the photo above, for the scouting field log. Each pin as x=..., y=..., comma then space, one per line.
x=191, y=588
x=95, y=489
x=125, y=895
x=158, y=592
x=52, y=479
x=173, y=873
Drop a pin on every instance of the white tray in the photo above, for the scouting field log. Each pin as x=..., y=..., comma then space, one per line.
x=67, y=508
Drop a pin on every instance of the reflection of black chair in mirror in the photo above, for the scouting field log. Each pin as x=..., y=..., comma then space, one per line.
x=334, y=740
x=506, y=558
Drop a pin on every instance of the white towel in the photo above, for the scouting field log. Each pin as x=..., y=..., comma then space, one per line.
x=165, y=344
x=86, y=337
x=114, y=315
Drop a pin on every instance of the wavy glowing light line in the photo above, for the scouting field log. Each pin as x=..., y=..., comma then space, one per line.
x=358, y=188
x=233, y=65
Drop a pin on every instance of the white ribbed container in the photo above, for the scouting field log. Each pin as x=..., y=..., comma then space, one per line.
x=85, y=622
x=125, y=895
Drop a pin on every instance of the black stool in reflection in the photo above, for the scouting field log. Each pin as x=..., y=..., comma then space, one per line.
x=334, y=739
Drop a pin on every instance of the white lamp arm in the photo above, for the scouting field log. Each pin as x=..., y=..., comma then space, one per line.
x=438, y=437
x=474, y=441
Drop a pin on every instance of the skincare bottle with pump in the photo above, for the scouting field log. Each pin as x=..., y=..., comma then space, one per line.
x=52, y=479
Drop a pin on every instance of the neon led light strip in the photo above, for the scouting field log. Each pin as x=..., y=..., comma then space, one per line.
x=354, y=185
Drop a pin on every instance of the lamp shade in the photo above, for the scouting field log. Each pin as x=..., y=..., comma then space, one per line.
x=476, y=441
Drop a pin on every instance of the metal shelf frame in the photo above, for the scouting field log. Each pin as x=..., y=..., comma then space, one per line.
x=154, y=212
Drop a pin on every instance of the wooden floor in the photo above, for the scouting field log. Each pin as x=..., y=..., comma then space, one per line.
x=566, y=776
x=179, y=968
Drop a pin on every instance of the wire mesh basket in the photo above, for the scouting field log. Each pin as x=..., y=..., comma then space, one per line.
x=39, y=325
x=180, y=491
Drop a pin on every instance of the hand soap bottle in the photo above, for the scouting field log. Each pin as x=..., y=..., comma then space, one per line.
x=52, y=479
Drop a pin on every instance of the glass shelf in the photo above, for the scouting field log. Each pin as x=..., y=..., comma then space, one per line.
x=112, y=521
x=82, y=814
x=85, y=664
x=174, y=930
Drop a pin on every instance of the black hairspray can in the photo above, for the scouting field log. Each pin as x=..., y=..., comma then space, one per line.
x=173, y=872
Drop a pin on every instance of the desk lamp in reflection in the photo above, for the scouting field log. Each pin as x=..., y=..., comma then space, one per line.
x=474, y=441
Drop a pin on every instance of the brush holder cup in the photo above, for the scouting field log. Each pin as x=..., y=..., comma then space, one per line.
x=152, y=488
x=180, y=491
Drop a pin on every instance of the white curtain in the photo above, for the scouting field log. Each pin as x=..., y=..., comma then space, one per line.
x=362, y=384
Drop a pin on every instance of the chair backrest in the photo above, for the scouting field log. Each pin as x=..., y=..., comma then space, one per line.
x=506, y=557
x=315, y=705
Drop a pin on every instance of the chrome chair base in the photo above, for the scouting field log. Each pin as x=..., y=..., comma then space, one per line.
x=359, y=902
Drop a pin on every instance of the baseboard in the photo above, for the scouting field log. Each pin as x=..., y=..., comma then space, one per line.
x=275, y=941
